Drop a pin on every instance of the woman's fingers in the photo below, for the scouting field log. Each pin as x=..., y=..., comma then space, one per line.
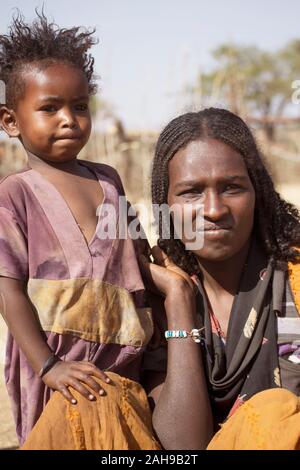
x=144, y=264
x=143, y=248
x=163, y=273
x=159, y=277
x=160, y=257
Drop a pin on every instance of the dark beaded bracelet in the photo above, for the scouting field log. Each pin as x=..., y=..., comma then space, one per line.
x=49, y=363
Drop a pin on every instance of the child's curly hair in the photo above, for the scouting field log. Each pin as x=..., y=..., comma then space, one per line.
x=42, y=43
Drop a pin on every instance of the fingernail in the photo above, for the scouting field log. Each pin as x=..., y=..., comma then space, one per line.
x=107, y=380
x=74, y=401
x=101, y=392
x=91, y=397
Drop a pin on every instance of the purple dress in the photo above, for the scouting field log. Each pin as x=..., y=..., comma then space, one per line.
x=88, y=297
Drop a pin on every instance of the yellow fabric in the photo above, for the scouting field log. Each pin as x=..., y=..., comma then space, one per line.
x=91, y=309
x=270, y=420
x=120, y=420
x=294, y=276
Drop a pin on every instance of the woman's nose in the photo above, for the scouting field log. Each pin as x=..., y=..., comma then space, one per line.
x=214, y=207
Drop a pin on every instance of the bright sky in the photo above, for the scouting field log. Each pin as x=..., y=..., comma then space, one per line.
x=150, y=49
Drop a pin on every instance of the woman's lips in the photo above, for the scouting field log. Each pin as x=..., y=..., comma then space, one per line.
x=216, y=233
x=211, y=227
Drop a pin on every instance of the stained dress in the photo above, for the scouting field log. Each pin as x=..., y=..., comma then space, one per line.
x=88, y=297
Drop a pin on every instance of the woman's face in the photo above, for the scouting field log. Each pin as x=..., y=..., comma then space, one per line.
x=213, y=174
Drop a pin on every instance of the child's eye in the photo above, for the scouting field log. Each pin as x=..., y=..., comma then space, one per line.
x=81, y=107
x=49, y=109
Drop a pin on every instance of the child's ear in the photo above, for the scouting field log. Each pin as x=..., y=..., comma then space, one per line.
x=8, y=122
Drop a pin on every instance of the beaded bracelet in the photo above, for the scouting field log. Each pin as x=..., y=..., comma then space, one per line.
x=194, y=334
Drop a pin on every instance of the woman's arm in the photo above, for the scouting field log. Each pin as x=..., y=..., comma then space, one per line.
x=182, y=416
x=23, y=325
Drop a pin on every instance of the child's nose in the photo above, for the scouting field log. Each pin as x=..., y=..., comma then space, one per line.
x=68, y=118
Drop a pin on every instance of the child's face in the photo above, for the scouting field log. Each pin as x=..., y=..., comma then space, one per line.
x=52, y=117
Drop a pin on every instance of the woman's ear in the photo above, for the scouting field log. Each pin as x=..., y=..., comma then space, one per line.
x=8, y=122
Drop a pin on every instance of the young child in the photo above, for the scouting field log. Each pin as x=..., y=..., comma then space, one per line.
x=72, y=302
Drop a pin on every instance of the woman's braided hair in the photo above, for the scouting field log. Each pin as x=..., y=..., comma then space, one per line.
x=276, y=222
x=42, y=43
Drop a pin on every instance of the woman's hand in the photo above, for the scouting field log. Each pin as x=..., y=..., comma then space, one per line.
x=76, y=375
x=164, y=275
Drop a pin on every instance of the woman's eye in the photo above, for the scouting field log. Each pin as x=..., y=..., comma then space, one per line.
x=192, y=194
x=233, y=188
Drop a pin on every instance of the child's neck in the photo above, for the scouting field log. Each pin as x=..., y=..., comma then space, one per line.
x=44, y=166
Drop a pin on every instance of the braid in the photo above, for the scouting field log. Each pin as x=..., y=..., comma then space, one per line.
x=176, y=135
x=277, y=222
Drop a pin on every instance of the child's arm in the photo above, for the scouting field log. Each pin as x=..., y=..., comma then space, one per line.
x=23, y=325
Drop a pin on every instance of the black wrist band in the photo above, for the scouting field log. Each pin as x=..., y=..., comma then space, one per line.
x=49, y=363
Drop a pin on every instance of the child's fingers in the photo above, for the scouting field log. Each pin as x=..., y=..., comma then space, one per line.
x=67, y=394
x=80, y=388
x=88, y=380
x=91, y=369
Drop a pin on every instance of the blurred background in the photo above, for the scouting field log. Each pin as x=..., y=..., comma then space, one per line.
x=157, y=59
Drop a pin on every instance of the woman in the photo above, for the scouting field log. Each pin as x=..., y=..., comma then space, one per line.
x=247, y=276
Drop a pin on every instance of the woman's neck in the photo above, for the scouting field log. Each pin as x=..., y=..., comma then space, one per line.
x=224, y=276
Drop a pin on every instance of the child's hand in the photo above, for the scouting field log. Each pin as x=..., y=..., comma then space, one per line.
x=75, y=374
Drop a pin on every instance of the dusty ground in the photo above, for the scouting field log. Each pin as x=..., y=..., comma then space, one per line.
x=7, y=432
